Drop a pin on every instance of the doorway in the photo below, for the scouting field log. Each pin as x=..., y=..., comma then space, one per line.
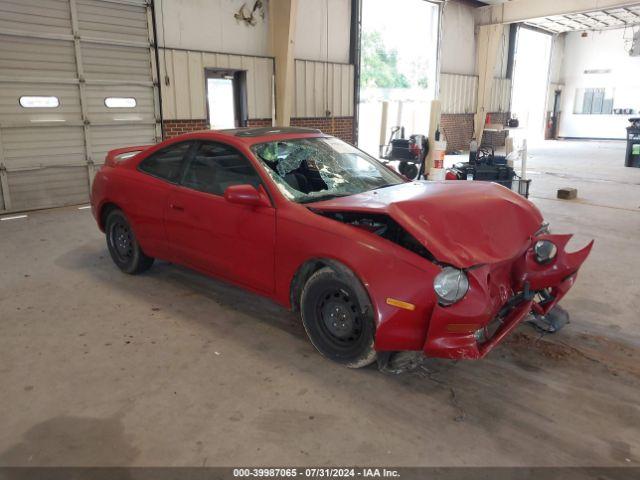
x=398, y=62
x=226, y=98
x=531, y=80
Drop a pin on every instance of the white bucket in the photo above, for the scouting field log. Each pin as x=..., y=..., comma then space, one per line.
x=439, y=149
x=437, y=174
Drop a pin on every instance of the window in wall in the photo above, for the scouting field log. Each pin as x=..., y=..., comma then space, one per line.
x=593, y=101
x=215, y=167
x=167, y=163
x=120, y=102
x=39, y=101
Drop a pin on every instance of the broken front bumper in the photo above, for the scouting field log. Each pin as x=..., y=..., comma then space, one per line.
x=499, y=298
x=448, y=337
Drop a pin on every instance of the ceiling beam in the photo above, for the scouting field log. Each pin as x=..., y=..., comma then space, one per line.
x=523, y=10
x=630, y=12
x=602, y=22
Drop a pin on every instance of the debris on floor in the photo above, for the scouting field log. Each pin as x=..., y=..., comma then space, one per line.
x=399, y=362
x=522, y=343
x=553, y=321
x=567, y=193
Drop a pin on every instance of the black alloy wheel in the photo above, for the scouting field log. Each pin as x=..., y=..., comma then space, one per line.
x=338, y=325
x=341, y=324
x=120, y=237
x=123, y=246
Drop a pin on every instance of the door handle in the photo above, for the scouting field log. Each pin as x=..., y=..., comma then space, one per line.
x=176, y=207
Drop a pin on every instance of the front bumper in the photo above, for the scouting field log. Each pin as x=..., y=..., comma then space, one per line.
x=499, y=298
x=449, y=338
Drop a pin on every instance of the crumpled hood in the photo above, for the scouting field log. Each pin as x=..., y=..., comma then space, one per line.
x=461, y=223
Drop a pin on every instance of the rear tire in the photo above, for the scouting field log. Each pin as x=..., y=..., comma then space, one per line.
x=123, y=246
x=338, y=318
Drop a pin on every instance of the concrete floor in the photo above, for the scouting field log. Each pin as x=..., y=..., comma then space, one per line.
x=171, y=368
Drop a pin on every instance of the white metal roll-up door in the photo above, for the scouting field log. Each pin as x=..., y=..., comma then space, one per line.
x=81, y=52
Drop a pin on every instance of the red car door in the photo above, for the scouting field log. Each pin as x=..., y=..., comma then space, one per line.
x=207, y=232
x=147, y=193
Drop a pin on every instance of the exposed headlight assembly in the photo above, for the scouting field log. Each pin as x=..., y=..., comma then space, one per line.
x=545, y=251
x=450, y=285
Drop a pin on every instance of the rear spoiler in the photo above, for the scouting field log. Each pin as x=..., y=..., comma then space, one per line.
x=119, y=154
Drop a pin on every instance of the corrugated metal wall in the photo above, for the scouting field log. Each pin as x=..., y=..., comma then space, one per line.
x=500, y=95
x=322, y=87
x=183, y=98
x=80, y=51
x=319, y=86
x=458, y=93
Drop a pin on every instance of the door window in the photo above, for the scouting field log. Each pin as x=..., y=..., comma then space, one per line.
x=166, y=163
x=216, y=166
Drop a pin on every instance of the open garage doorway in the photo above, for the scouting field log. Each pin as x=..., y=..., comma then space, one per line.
x=531, y=80
x=398, y=62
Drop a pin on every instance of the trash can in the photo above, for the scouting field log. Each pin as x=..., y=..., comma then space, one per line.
x=633, y=144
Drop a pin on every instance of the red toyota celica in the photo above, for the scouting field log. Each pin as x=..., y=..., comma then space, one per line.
x=374, y=263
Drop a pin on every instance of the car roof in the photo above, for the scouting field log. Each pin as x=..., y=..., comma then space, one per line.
x=252, y=135
x=266, y=131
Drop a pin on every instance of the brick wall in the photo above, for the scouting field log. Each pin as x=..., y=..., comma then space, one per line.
x=173, y=128
x=259, y=122
x=497, y=139
x=458, y=130
x=341, y=127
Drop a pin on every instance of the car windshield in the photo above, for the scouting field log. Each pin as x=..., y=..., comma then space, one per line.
x=320, y=168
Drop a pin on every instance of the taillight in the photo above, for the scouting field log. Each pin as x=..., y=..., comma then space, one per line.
x=450, y=175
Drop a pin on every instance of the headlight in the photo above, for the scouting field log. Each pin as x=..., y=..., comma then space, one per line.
x=545, y=251
x=450, y=285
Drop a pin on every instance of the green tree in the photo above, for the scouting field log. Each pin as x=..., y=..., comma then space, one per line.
x=379, y=64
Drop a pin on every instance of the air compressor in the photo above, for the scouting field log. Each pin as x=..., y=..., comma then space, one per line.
x=410, y=152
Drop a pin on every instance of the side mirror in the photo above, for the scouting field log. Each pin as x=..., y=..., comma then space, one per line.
x=247, y=195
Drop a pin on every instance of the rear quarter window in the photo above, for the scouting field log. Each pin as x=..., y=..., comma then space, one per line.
x=166, y=164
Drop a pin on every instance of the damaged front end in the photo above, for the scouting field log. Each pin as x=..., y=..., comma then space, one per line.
x=501, y=295
x=381, y=225
x=476, y=305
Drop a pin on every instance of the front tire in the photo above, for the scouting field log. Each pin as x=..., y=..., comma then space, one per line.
x=123, y=246
x=338, y=318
